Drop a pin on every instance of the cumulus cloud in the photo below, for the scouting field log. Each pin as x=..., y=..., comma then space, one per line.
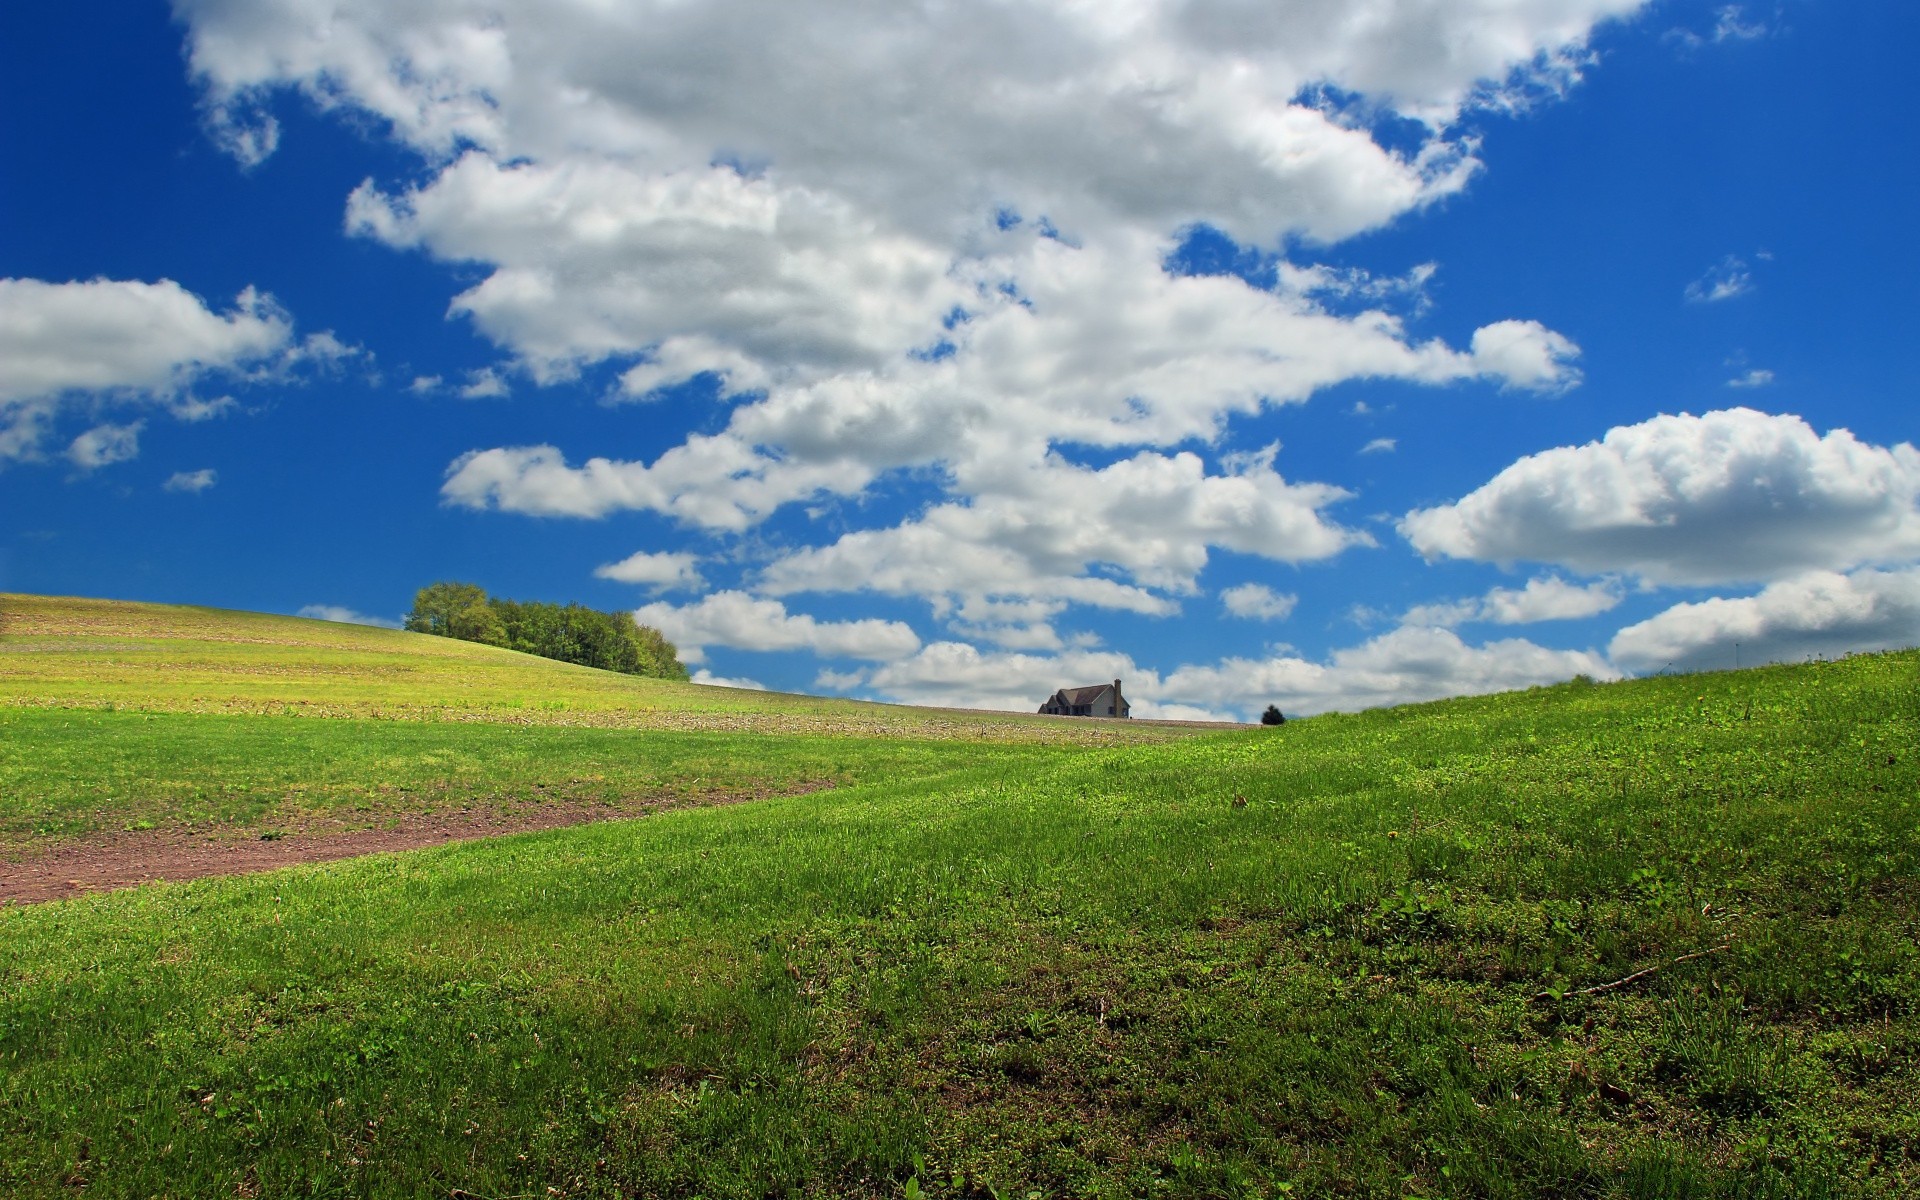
x=345, y=616
x=742, y=622
x=1818, y=614
x=1156, y=112
x=1258, y=602
x=106, y=343
x=191, y=482
x=707, y=678
x=1730, y=496
x=1403, y=666
x=1548, y=598
x=104, y=445
x=708, y=270
x=958, y=267
x=661, y=570
x=961, y=675
x=1149, y=519
x=1525, y=354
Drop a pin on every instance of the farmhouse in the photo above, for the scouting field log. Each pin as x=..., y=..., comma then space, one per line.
x=1100, y=700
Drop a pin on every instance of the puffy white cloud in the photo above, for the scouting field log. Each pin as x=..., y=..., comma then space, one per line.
x=805, y=198
x=717, y=482
x=191, y=482
x=104, y=445
x=1733, y=495
x=107, y=342
x=1155, y=112
x=708, y=679
x=960, y=675
x=1380, y=445
x=1525, y=354
x=744, y=622
x=1548, y=598
x=1819, y=614
x=706, y=269
x=485, y=384
x=660, y=570
x=1040, y=535
x=345, y=616
x=1402, y=666
x=110, y=335
x=1258, y=602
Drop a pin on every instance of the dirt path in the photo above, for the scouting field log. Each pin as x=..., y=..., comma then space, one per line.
x=110, y=860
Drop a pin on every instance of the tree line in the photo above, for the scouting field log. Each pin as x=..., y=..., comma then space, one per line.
x=611, y=641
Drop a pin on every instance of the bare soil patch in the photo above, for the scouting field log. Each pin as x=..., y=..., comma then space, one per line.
x=109, y=860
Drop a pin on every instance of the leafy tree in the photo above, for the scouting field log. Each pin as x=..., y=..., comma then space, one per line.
x=435, y=606
x=478, y=623
x=1273, y=716
x=611, y=641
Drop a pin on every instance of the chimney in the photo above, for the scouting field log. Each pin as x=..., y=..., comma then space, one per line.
x=1116, y=697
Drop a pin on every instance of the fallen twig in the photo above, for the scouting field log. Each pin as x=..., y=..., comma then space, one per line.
x=1598, y=988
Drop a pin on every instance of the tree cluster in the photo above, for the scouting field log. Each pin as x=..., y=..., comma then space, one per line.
x=611, y=641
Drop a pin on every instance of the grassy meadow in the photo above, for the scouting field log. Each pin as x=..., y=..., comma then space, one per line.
x=1650, y=939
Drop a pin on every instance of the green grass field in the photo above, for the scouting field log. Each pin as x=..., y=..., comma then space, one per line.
x=1646, y=939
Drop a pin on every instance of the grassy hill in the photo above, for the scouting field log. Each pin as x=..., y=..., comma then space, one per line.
x=149, y=716
x=1647, y=939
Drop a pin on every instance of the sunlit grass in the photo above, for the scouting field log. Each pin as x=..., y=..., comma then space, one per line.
x=67, y=652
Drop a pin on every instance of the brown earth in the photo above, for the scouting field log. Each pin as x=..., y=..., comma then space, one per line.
x=109, y=860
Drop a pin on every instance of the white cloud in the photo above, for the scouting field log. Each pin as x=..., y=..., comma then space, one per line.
x=1819, y=614
x=1756, y=378
x=1157, y=112
x=1258, y=602
x=1149, y=519
x=744, y=622
x=1730, y=277
x=709, y=679
x=1548, y=598
x=1403, y=666
x=1380, y=445
x=1731, y=24
x=959, y=675
x=680, y=189
x=425, y=385
x=1525, y=354
x=1733, y=495
x=345, y=616
x=706, y=269
x=661, y=570
x=192, y=482
x=107, y=343
x=104, y=445
x=484, y=384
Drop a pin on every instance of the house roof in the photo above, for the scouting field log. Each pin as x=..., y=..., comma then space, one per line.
x=1084, y=695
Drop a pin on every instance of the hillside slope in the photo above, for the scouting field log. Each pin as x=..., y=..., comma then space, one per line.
x=1649, y=939
x=64, y=651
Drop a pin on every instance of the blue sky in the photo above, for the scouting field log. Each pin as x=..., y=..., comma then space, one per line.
x=1322, y=354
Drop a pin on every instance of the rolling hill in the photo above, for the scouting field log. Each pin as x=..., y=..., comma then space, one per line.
x=1655, y=938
